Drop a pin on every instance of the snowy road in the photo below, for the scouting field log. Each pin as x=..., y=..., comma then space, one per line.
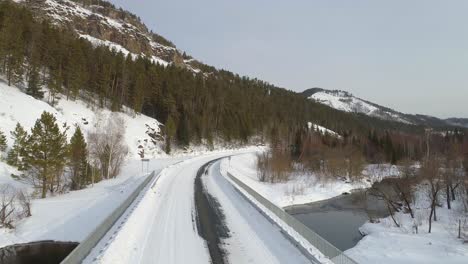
x=163, y=229
x=253, y=238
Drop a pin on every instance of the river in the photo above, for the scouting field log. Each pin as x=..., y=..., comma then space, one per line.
x=338, y=219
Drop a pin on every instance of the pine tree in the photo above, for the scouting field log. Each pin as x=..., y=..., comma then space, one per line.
x=78, y=160
x=138, y=96
x=19, y=150
x=11, y=43
x=47, y=153
x=170, y=129
x=183, y=131
x=34, y=86
x=3, y=143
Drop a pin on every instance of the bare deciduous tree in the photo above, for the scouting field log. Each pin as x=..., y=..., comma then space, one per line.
x=24, y=200
x=7, y=206
x=14, y=205
x=107, y=146
x=274, y=166
x=431, y=172
x=387, y=194
x=403, y=186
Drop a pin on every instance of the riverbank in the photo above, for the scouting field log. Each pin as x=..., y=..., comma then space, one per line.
x=385, y=243
x=301, y=189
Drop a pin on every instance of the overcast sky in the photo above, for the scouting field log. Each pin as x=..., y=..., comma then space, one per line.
x=409, y=55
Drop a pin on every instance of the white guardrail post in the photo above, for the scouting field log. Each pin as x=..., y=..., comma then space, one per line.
x=85, y=247
x=327, y=249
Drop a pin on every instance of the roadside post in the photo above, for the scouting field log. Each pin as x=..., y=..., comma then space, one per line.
x=143, y=161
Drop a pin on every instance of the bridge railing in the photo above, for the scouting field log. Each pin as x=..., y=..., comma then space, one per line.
x=85, y=247
x=327, y=249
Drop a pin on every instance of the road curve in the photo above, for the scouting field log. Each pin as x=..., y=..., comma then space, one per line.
x=162, y=228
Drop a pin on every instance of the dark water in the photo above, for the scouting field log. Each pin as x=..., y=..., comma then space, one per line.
x=42, y=252
x=338, y=219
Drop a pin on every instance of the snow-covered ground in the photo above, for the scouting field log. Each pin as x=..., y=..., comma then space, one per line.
x=300, y=189
x=253, y=239
x=386, y=243
x=72, y=216
x=162, y=227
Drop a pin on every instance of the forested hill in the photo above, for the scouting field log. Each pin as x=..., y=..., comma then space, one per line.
x=39, y=53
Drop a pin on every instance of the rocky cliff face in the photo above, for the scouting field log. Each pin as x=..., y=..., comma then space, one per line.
x=103, y=24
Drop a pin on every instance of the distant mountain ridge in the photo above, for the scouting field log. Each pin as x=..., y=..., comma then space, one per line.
x=458, y=121
x=347, y=102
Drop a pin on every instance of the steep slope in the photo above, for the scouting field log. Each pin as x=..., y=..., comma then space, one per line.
x=347, y=102
x=103, y=24
x=141, y=132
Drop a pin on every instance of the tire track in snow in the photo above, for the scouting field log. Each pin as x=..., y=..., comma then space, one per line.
x=210, y=218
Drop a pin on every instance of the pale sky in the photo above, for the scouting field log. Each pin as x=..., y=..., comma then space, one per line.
x=408, y=55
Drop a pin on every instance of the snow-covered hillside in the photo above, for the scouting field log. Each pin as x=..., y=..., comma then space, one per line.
x=345, y=101
x=141, y=132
